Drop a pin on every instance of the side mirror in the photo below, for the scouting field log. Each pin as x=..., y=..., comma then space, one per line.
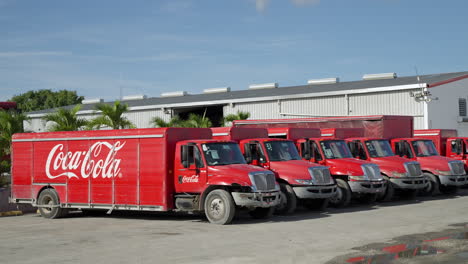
x=247, y=153
x=307, y=150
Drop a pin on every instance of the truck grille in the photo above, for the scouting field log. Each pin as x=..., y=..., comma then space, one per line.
x=457, y=167
x=372, y=171
x=320, y=175
x=413, y=169
x=264, y=182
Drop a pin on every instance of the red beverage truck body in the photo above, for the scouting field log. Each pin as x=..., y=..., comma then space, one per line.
x=447, y=143
x=158, y=169
x=402, y=174
x=300, y=180
x=354, y=177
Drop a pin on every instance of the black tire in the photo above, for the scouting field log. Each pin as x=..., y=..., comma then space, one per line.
x=262, y=213
x=219, y=207
x=409, y=194
x=433, y=186
x=367, y=198
x=449, y=190
x=288, y=200
x=50, y=197
x=316, y=204
x=343, y=196
x=389, y=192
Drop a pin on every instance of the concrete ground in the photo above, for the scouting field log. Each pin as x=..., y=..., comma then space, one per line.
x=304, y=237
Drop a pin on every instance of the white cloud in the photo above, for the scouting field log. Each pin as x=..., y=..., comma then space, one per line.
x=261, y=5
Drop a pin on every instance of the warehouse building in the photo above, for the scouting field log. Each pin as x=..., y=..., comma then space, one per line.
x=435, y=101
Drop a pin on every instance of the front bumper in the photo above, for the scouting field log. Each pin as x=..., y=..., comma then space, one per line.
x=367, y=186
x=256, y=199
x=453, y=180
x=411, y=183
x=315, y=192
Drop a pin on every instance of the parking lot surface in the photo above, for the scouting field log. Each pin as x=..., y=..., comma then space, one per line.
x=304, y=237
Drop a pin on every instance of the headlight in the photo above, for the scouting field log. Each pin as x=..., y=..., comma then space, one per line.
x=305, y=182
x=397, y=174
x=358, y=178
x=444, y=173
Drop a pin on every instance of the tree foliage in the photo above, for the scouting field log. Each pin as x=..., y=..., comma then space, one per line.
x=66, y=119
x=240, y=115
x=193, y=120
x=111, y=116
x=46, y=99
x=10, y=122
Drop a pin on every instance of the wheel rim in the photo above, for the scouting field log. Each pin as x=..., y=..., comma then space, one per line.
x=47, y=201
x=338, y=197
x=428, y=187
x=217, y=208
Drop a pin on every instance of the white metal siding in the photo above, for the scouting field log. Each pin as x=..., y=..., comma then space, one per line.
x=142, y=118
x=257, y=110
x=385, y=103
x=444, y=112
x=316, y=106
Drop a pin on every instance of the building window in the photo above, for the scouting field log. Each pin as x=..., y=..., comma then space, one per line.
x=462, y=106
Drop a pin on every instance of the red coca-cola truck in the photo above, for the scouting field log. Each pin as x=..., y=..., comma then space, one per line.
x=156, y=169
x=447, y=143
x=354, y=177
x=300, y=181
x=401, y=174
x=443, y=174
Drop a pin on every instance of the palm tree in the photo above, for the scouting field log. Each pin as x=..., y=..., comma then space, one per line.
x=66, y=119
x=175, y=121
x=238, y=116
x=198, y=121
x=10, y=122
x=111, y=116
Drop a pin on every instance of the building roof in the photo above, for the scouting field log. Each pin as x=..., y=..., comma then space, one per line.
x=251, y=94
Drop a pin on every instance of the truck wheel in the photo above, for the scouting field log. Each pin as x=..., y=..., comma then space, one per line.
x=343, y=194
x=316, y=204
x=50, y=197
x=448, y=189
x=367, y=198
x=409, y=194
x=288, y=200
x=262, y=213
x=389, y=193
x=219, y=207
x=432, y=188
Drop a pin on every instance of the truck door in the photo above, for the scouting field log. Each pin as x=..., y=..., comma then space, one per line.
x=254, y=154
x=403, y=149
x=456, y=149
x=357, y=149
x=192, y=174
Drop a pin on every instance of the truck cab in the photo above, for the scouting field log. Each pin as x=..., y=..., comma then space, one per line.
x=457, y=148
x=300, y=181
x=352, y=175
x=205, y=165
x=443, y=174
x=401, y=173
x=447, y=142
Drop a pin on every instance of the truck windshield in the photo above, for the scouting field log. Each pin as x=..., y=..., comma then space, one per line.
x=335, y=149
x=222, y=154
x=281, y=150
x=424, y=148
x=379, y=148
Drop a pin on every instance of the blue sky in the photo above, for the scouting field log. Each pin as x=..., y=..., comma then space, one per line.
x=150, y=47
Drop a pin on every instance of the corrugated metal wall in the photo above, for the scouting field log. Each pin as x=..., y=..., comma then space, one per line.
x=316, y=106
x=142, y=118
x=257, y=110
x=385, y=103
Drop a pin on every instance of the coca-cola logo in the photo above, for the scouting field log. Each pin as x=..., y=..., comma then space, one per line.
x=60, y=163
x=190, y=179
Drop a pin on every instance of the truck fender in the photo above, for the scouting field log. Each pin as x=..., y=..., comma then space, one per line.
x=224, y=183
